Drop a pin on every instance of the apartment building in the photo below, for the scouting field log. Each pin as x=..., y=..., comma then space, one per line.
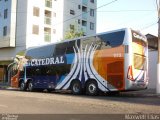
x=28, y=23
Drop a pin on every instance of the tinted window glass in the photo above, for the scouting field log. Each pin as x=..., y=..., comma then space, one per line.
x=21, y=74
x=113, y=39
x=43, y=70
x=50, y=70
x=64, y=69
x=71, y=45
x=87, y=42
x=60, y=49
x=57, y=70
x=37, y=71
x=40, y=52
x=30, y=71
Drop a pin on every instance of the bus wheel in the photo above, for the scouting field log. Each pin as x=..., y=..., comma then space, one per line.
x=92, y=88
x=30, y=86
x=76, y=87
x=22, y=86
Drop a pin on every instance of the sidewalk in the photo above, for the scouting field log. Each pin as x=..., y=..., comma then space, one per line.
x=143, y=93
x=4, y=86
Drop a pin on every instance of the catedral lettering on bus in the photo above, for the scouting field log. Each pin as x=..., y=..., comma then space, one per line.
x=46, y=61
x=111, y=61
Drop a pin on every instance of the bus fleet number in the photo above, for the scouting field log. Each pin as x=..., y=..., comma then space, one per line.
x=117, y=55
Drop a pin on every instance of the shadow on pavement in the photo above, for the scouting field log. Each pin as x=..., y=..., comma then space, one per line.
x=146, y=97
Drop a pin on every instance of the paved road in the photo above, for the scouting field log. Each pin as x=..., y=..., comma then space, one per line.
x=18, y=102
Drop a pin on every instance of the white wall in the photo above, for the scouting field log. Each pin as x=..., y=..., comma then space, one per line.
x=152, y=69
x=57, y=22
x=21, y=24
x=13, y=18
x=31, y=39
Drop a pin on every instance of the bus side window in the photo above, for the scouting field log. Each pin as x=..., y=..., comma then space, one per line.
x=62, y=70
x=88, y=41
x=67, y=68
x=48, y=71
x=29, y=71
x=72, y=45
x=51, y=70
x=60, y=49
x=37, y=71
x=21, y=74
x=43, y=70
x=112, y=39
x=41, y=52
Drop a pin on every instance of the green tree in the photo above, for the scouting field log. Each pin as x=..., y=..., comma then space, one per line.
x=73, y=32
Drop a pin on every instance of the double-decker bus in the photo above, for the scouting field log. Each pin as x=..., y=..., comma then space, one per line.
x=111, y=61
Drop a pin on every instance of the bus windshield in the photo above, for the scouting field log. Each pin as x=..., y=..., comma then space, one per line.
x=139, y=46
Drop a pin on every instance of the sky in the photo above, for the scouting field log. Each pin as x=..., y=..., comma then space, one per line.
x=141, y=15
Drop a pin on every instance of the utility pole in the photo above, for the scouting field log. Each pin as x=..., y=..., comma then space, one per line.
x=158, y=64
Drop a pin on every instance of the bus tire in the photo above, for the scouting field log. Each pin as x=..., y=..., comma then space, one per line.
x=22, y=86
x=76, y=87
x=92, y=88
x=30, y=86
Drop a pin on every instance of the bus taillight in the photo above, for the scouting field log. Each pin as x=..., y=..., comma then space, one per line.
x=130, y=73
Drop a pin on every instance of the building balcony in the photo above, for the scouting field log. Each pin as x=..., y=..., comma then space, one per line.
x=48, y=3
x=85, y=2
x=84, y=15
x=84, y=29
x=47, y=20
x=47, y=37
x=7, y=42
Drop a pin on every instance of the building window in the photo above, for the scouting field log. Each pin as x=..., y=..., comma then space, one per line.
x=36, y=11
x=92, y=1
x=47, y=34
x=5, y=13
x=92, y=12
x=35, y=29
x=72, y=12
x=91, y=26
x=79, y=21
x=5, y=31
x=71, y=27
x=79, y=6
x=48, y=3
